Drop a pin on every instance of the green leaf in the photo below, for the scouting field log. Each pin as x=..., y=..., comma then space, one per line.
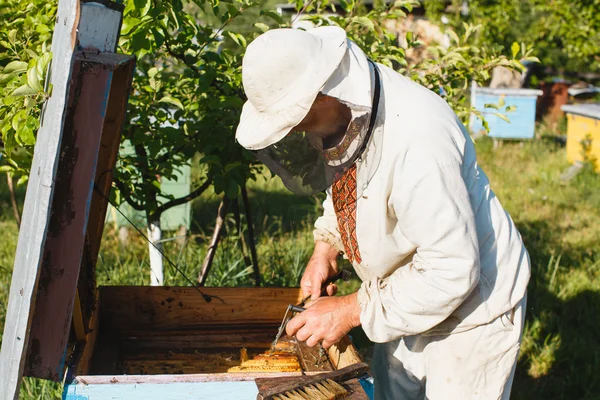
x=29, y=102
x=273, y=15
x=509, y=109
x=501, y=101
x=491, y=105
x=22, y=180
x=12, y=36
x=171, y=100
x=42, y=29
x=146, y=8
x=237, y=38
x=515, y=49
x=6, y=77
x=231, y=166
x=15, y=67
x=42, y=63
x=33, y=79
x=6, y=168
x=152, y=72
x=261, y=26
x=363, y=21
x=502, y=117
x=453, y=36
x=24, y=90
x=19, y=120
x=31, y=53
x=26, y=135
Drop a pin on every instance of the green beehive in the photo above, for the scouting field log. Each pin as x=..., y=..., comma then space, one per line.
x=173, y=218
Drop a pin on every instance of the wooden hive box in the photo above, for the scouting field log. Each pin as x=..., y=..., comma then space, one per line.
x=583, y=132
x=120, y=342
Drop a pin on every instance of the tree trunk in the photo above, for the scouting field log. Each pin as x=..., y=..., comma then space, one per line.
x=156, y=259
x=13, y=199
x=241, y=236
x=251, y=239
x=214, y=241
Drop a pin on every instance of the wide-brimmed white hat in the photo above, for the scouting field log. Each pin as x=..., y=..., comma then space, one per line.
x=283, y=71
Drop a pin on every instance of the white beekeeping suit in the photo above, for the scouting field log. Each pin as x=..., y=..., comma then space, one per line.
x=443, y=266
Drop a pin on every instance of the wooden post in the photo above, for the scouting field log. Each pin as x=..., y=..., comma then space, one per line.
x=35, y=220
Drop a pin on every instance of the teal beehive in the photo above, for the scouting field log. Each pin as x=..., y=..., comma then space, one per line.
x=521, y=123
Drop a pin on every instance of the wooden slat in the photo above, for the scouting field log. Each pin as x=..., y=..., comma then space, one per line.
x=166, y=308
x=111, y=379
x=63, y=252
x=107, y=157
x=40, y=188
x=84, y=362
x=311, y=358
x=343, y=353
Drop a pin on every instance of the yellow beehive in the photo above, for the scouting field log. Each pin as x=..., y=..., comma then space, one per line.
x=583, y=132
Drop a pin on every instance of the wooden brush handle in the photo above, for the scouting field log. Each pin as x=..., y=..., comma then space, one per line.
x=270, y=387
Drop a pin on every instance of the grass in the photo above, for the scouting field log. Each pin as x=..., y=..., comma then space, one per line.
x=559, y=222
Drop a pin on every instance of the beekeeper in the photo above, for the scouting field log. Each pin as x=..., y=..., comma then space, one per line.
x=444, y=270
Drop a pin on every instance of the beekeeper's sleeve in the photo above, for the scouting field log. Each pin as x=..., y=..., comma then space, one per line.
x=326, y=226
x=433, y=212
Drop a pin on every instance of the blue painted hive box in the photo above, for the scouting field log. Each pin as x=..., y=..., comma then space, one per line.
x=522, y=119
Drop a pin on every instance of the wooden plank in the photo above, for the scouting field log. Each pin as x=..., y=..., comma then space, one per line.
x=100, y=25
x=85, y=360
x=164, y=308
x=189, y=378
x=107, y=157
x=63, y=252
x=343, y=353
x=78, y=324
x=40, y=188
x=311, y=358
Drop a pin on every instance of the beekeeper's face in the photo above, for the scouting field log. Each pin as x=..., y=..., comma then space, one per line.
x=327, y=119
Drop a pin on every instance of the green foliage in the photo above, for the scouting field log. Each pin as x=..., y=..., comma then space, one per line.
x=566, y=33
x=187, y=96
x=187, y=93
x=24, y=63
x=446, y=71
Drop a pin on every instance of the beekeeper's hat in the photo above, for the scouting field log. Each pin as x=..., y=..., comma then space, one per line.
x=283, y=71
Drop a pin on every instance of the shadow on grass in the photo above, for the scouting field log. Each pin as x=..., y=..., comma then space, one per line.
x=575, y=358
x=563, y=359
x=272, y=212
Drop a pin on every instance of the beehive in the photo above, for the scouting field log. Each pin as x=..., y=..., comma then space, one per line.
x=583, y=133
x=522, y=119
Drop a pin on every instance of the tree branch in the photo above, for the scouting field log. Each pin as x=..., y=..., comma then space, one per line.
x=13, y=199
x=151, y=203
x=127, y=195
x=191, y=196
x=214, y=241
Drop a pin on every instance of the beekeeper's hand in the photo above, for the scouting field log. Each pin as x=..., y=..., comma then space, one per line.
x=322, y=265
x=326, y=321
